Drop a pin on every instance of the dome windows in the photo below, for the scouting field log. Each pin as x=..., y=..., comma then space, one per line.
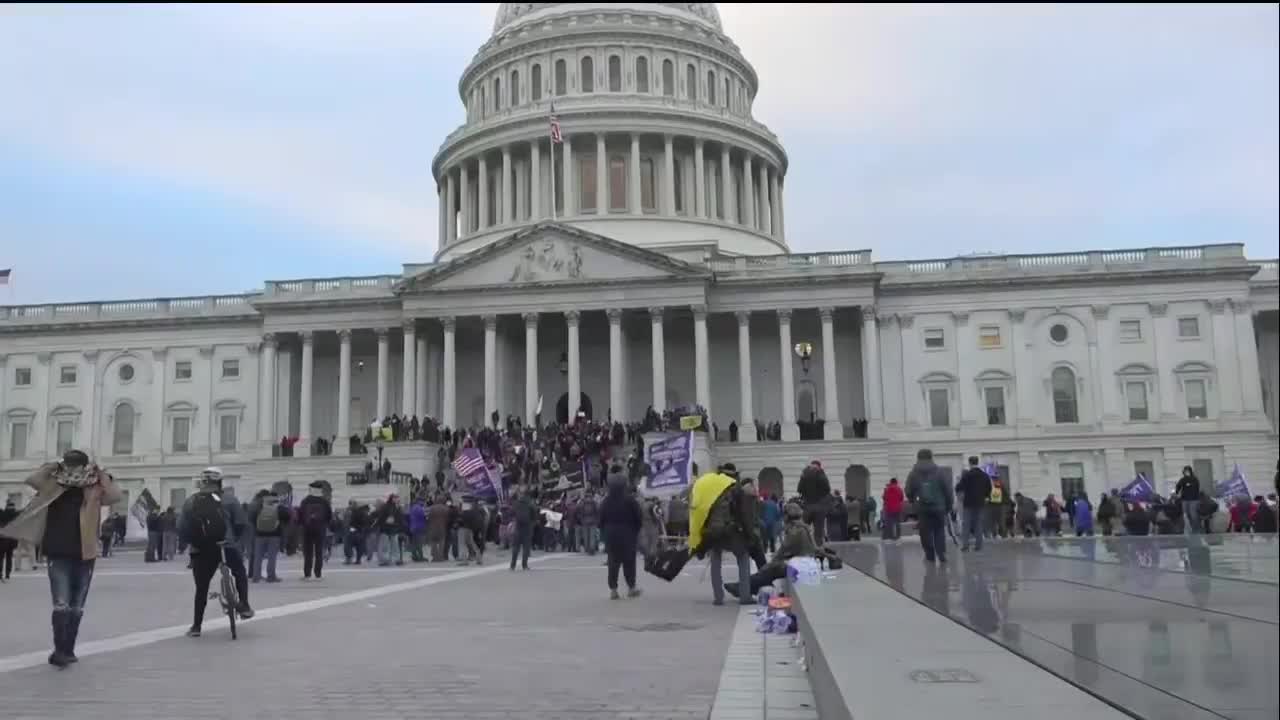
x=515, y=88
x=587, y=75
x=535, y=83
x=562, y=78
x=642, y=74
x=615, y=73
x=711, y=87
x=668, y=78
x=691, y=81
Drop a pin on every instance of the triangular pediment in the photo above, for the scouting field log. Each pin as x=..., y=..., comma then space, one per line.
x=551, y=254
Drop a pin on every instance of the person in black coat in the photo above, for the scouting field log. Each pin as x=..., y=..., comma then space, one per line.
x=620, y=521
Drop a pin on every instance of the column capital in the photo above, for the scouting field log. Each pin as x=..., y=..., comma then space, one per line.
x=92, y=355
x=614, y=315
x=44, y=357
x=344, y=335
x=1100, y=311
x=530, y=319
x=409, y=326
x=571, y=317
x=253, y=347
x=784, y=316
x=1158, y=309
x=205, y=350
x=699, y=312
x=868, y=313
x=744, y=317
x=1017, y=314
x=961, y=317
x=307, y=337
x=826, y=313
x=381, y=333
x=1240, y=305
x=448, y=322
x=656, y=314
x=906, y=320
x=490, y=322
x=269, y=341
x=888, y=319
x=1218, y=307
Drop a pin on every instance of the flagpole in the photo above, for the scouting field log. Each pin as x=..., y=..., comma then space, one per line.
x=551, y=146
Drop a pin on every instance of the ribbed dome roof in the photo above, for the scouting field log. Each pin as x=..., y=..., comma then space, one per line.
x=511, y=14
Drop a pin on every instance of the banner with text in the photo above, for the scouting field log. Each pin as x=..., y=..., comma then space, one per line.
x=670, y=462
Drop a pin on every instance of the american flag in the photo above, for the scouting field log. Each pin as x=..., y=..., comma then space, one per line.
x=556, y=137
x=468, y=462
x=4, y=274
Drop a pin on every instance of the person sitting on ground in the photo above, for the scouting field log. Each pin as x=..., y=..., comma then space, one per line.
x=797, y=541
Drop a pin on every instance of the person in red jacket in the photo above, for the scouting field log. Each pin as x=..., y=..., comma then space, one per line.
x=891, y=518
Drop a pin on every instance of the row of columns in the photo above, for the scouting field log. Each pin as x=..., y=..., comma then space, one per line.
x=760, y=196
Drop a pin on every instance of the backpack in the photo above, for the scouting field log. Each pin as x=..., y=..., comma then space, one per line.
x=208, y=522
x=268, y=518
x=313, y=518
x=721, y=517
x=933, y=494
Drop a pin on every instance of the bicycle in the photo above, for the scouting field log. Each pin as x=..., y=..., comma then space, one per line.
x=227, y=596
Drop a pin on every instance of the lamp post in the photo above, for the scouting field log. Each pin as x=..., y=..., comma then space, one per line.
x=804, y=351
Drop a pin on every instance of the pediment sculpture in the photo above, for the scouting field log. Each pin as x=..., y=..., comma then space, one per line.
x=543, y=261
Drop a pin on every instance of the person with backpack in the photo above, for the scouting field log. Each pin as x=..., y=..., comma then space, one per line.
x=975, y=492
x=269, y=519
x=716, y=525
x=815, y=491
x=316, y=514
x=525, y=512
x=208, y=517
x=929, y=488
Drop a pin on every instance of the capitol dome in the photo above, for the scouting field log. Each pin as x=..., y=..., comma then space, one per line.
x=658, y=147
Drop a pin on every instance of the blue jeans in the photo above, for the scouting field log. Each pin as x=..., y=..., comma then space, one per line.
x=933, y=535
x=389, y=549
x=265, y=548
x=1191, y=517
x=589, y=538
x=69, y=580
x=744, y=577
x=972, y=526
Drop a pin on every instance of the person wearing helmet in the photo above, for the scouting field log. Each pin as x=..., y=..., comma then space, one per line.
x=797, y=541
x=208, y=517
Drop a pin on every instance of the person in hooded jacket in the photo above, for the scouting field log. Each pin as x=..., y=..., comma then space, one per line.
x=796, y=542
x=525, y=512
x=815, y=491
x=620, y=521
x=314, y=513
x=931, y=491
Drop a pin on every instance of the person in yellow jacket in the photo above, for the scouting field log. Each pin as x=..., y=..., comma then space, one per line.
x=995, y=509
x=728, y=532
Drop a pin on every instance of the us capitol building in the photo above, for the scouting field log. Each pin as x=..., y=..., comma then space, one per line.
x=645, y=261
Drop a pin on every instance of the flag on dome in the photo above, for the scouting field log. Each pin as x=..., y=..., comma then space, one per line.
x=556, y=137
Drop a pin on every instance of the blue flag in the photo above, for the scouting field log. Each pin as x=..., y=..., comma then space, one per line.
x=1235, y=486
x=1139, y=489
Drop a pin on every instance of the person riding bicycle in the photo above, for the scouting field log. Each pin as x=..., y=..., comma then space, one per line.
x=208, y=518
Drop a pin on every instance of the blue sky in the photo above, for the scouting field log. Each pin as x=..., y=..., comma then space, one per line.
x=180, y=150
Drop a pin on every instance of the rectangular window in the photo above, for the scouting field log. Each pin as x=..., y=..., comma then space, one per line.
x=934, y=339
x=1136, y=393
x=1130, y=330
x=618, y=183
x=647, y=193
x=1197, y=406
x=230, y=369
x=65, y=436
x=18, y=440
x=67, y=375
x=1189, y=327
x=587, y=182
x=182, y=370
x=1145, y=468
x=939, y=408
x=989, y=336
x=1072, y=477
x=181, y=434
x=177, y=497
x=994, y=397
x=1203, y=469
x=22, y=377
x=227, y=426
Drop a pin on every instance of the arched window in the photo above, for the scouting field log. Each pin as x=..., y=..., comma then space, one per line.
x=691, y=79
x=615, y=73
x=587, y=75
x=562, y=75
x=122, y=430
x=1064, y=396
x=726, y=92
x=515, y=88
x=535, y=83
x=497, y=94
x=481, y=103
x=668, y=78
x=618, y=184
x=711, y=87
x=642, y=74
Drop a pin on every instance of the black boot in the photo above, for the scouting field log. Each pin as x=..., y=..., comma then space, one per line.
x=59, y=620
x=72, y=632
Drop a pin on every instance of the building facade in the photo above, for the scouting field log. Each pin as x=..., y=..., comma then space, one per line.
x=643, y=261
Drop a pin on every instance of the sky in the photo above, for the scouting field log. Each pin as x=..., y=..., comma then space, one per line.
x=167, y=150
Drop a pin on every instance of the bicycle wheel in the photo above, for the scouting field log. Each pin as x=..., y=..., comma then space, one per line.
x=229, y=599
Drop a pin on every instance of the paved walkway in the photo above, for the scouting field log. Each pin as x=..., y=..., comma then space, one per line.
x=425, y=641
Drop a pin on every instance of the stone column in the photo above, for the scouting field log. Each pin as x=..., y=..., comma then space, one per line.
x=490, y=366
x=570, y=202
x=872, y=387
x=834, y=429
x=1247, y=356
x=668, y=178
x=713, y=211
x=267, y=399
x=726, y=186
x=464, y=224
x=602, y=176
x=775, y=214
x=530, y=367
x=159, y=378
x=384, y=357
x=701, y=369
x=442, y=213
x=575, y=368
x=449, y=391
x=342, y=445
x=615, y=364
x=787, y=378
x=748, y=194
x=633, y=184
x=659, y=360
x=482, y=188
x=1166, y=381
x=746, y=423
x=451, y=203
x=1104, y=381
x=781, y=215
x=1224, y=332
x=303, y=448
x=508, y=196
x=420, y=376
x=766, y=222
x=409, y=373
x=535, y=180
x=699, y=181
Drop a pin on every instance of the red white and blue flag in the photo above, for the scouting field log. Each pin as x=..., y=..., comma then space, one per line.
x=4, y=276
x=556, y=137
x=468, y=463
